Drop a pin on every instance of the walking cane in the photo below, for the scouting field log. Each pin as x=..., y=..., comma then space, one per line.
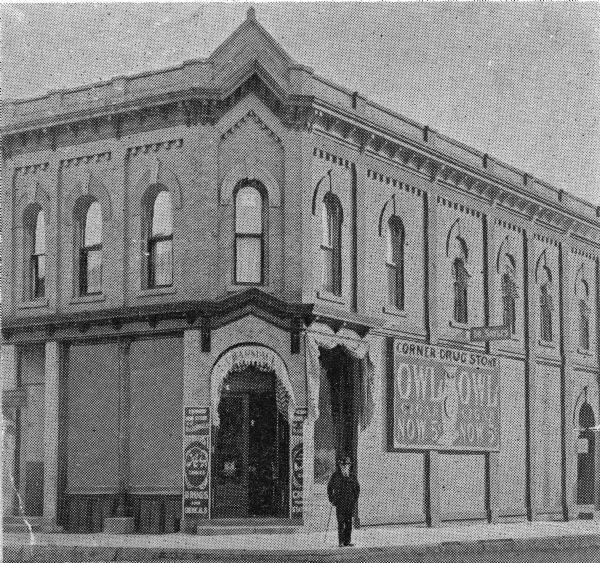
x=328, y=521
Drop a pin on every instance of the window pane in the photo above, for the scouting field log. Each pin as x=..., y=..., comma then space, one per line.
x=39, y=242
x=162, y=216
x=248, y=211
x=162, y=262
x=326, y=226
x=93, y=225
x=328, y=270
x=94, y=271
x=248, y=266
x=39, y=275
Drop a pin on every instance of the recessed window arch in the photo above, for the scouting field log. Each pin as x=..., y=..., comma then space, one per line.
x=158, y=231
x=546, y=305
x=584, y=311
x=331, y=243
x=509, y=292
x=34, y=222
x=395, y=262
x=249, y=244
x=461, y=280
x=89, y=219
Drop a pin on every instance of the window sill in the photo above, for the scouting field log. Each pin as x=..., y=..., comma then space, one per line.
x=97, y=298
x=394, y=311
x=237, y=287
x=546, y=344
x=167, y=290
x=36, y=304
x=584, y=352
x=461, y=326
x=327, y=296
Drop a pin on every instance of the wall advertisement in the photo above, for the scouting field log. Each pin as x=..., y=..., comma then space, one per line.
x=196, y=462
x=443, y=398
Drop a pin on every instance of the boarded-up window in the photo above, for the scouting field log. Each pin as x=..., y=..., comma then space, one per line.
x=156, y=414
x=93, y=427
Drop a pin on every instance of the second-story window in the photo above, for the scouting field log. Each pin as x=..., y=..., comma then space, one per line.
x=90, y=252
x=395, y=262
x=249, y=236
x=461, y=281
x=509, y=294
x=38, y=257
x=160, y=242
x=584, y=316
x=546, y=306
x=331, y=244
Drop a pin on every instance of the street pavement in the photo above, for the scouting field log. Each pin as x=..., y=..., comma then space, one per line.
x=528, y=542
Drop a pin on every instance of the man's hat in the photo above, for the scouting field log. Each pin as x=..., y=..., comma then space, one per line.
x=345, y=461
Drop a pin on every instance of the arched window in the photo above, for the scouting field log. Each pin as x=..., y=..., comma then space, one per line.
x=37, y=255
x=461, y=278
x=509, y=294
x=160, y=242
x=395, y=262
x=90, y=252
x=331, y=244
x=249, y=235
x=584, y=315
x=546, y=304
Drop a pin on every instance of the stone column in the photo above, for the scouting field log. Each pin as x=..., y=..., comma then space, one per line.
x=9, y=383
x=432, y=474
x=493, y=471
x=51, y=414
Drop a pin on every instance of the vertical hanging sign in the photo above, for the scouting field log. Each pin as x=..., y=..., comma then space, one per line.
x=297, y=468
x=196, y=462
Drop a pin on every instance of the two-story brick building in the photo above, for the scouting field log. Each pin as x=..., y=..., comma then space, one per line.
x=220, y=276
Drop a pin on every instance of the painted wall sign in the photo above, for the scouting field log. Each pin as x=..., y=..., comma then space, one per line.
x=486, y=333
x=297, y=480
x=196, y=462
x=444, y=398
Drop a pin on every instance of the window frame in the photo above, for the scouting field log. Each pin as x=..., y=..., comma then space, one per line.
x=34, y=285
x=152, y=241
x=461, y=292
x=261, y=236
x=396, y=241
x=332, y=252
x=584, y=311
x=86, y=250
x=546, y=331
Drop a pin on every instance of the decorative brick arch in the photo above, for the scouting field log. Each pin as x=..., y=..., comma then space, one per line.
x=250, y=169
x=245, y=355
x=88, y=184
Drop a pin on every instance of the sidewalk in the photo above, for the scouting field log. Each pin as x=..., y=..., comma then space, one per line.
x=579, y=536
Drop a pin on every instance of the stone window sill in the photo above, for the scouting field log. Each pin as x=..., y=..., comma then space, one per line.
x=238, y=287
x=38, y=303
x=394, y=311
x=584, y=352
x=546, y=344
x=96, y=298
x=328, y=296
x=461, y=326
x=167, y=290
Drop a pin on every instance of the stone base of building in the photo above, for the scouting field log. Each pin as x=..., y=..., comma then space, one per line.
x=118, y=525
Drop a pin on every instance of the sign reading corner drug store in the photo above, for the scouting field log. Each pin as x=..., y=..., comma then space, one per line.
x=444, y=398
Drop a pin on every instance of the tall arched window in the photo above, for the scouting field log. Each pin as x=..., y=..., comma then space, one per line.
x=160, y=242
x=331, y=244
x=461, y=278
x=509, y=294
x=584, y=315
x=90, y=252
x=395, y=262
x=249, y=235
x=546, y=304
x=37, y=259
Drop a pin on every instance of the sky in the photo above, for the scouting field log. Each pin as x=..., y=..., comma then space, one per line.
x=520, y=81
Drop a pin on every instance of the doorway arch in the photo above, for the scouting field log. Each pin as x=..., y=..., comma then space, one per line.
x=586, y=470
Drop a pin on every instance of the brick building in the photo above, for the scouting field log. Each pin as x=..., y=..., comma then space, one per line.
x=220, y=276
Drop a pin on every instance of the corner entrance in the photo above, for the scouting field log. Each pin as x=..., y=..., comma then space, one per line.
x=250, y=469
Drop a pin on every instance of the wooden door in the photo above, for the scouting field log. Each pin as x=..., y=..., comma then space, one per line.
x=230, y=458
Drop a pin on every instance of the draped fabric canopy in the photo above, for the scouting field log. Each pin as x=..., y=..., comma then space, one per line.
x=261, y=358
x=322, y=336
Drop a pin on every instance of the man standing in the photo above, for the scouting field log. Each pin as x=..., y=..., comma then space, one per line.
x=343, y=490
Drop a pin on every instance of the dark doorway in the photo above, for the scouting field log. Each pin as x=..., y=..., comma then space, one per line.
x=251, y=449
x=586, y=457
x=341, y=371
